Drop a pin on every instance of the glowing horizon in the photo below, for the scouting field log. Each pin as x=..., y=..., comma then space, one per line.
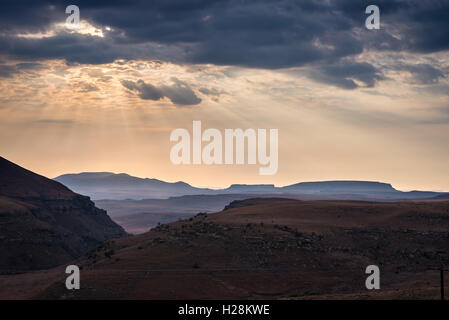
x=349, y=103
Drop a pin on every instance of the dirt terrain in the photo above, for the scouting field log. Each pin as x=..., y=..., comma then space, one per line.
x=265, y=249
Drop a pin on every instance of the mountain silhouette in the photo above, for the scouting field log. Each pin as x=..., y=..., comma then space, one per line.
x=43, y=223
x=108, y=185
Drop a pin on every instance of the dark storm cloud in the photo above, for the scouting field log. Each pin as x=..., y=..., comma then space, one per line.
x=73, y=48
x=179, y=92
x=418, y=26
x=20, y=15
x=268, y=34
x=144, y=90
x=345, y=74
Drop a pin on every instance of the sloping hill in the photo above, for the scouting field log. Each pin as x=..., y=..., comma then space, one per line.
x=43, y=223
x=266, y=249
x=16, y=181
x=108, y=185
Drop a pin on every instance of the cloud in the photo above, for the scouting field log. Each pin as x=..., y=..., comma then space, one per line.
x=265, y=34
x=144, y=91
x=419, y=26
x=8, y=71
x=31, y=66
x=179, y=92
x=424, y=73
x=87, y=87
x=211, y=92
x=347, y=75
x=268, y=34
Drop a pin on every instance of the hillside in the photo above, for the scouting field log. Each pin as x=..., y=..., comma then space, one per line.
x=43, y=223
x=18, y=182
x=266, y=249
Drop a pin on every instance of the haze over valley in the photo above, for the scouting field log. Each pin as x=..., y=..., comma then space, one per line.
x=139, y=204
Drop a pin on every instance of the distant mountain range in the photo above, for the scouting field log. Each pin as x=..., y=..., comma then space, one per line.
x=107, y=185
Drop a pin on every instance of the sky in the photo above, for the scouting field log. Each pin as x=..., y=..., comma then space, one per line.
x=349, y=103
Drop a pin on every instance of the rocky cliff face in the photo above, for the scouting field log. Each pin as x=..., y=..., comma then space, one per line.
x=43, y=223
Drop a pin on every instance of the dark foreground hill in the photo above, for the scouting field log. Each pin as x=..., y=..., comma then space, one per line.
x=265, y=249
x=43, y=223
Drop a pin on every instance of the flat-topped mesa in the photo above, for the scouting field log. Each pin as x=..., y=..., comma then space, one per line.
x=341, y=187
